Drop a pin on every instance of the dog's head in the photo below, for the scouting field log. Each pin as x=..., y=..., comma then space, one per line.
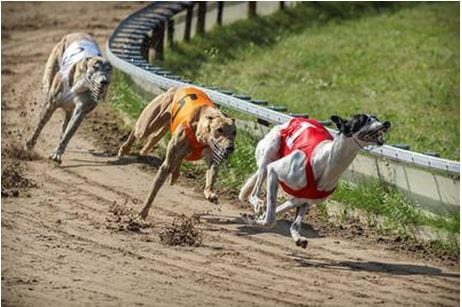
x=219, y=132
x=97, y=72
x=365, y=128
x=98, y=76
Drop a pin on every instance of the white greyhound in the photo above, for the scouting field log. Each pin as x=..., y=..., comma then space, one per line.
x=303, y=157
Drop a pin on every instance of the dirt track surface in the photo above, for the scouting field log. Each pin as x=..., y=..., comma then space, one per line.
x=63, y=243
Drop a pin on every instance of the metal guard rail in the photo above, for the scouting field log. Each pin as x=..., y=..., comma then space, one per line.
x=125, y=52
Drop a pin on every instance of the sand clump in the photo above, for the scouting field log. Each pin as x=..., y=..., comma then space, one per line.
x=16, y=150
x=125, y=218
x=14, y=179
x=183, y=231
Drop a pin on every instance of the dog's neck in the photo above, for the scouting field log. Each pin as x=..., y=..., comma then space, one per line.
x=202, y=135
x=331, y=159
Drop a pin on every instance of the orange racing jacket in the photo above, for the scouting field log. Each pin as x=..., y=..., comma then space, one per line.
x=186, y=104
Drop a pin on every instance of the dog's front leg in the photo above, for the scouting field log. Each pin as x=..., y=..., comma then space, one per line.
x=296, y=226
x=266, y=152
x=50, y=105
x=177, y=150
x=284, y=169
x=210, y=179
x=268, y=218
x=74, y=123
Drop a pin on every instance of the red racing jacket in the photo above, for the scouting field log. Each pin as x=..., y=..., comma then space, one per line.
x=304, y=135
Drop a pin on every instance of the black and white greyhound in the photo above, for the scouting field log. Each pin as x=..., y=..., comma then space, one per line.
x=306, y=161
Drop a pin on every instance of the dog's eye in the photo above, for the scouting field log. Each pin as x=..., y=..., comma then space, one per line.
x=220, y=130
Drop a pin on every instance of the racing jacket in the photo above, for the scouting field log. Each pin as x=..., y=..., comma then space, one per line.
x=186, y=104
x=76, y=52
x=304, y=135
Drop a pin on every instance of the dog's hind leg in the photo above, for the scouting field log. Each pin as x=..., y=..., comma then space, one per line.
x=247, y=187
x=49, y=106
x=155, y=115
x=174, y=175
x=52, y=67
x=45, y=116
x=177, y=150
x=289, y=204
x=153, y=140
x=125, y=148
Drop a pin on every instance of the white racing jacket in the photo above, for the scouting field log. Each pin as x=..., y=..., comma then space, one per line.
x=76, y=52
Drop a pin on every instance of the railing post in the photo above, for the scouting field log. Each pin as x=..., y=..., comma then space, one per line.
x=252, y=11
x=202, y=10
x=220, y=12
x=146, y=47
x=170, y=31
x=188, y=22
x=282, y=5
x=158, y=42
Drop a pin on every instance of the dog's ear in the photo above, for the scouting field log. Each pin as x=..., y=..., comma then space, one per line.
x=341, y=124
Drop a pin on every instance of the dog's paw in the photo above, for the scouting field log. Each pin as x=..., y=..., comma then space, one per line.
x=211, y=197
x=248, y=218
x=122, y=152
x=29, y=146
x=144, y=152
x=258, y=205
x=303, y=243
x=56, y=157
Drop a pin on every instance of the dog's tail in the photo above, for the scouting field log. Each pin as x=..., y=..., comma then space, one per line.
x=247, y=188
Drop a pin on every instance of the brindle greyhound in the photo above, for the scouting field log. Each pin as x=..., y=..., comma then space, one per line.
x=198, y=130
x=76, y=78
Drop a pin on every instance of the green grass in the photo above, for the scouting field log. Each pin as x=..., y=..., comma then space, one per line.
x=123, y=97
x=381, y=199
x=401, y=63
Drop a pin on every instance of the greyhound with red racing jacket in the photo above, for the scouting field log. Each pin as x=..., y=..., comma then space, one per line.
x=306, y=161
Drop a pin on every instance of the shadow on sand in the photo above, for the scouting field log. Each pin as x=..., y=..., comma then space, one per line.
x=371, y=266
x=151, y=161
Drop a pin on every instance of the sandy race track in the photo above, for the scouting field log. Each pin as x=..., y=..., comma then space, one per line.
x=64, y=244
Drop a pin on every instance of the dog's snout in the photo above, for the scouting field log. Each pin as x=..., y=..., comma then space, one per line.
x=104, y=82
x=387, y=125
x=230, y=149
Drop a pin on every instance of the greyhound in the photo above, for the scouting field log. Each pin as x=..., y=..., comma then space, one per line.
x=304, y=158
x=76, y=78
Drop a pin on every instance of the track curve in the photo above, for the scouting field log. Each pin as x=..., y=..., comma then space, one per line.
x=61, y=245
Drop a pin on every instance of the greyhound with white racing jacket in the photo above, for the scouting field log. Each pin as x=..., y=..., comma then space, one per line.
x=306, y=161
x=76, y=79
